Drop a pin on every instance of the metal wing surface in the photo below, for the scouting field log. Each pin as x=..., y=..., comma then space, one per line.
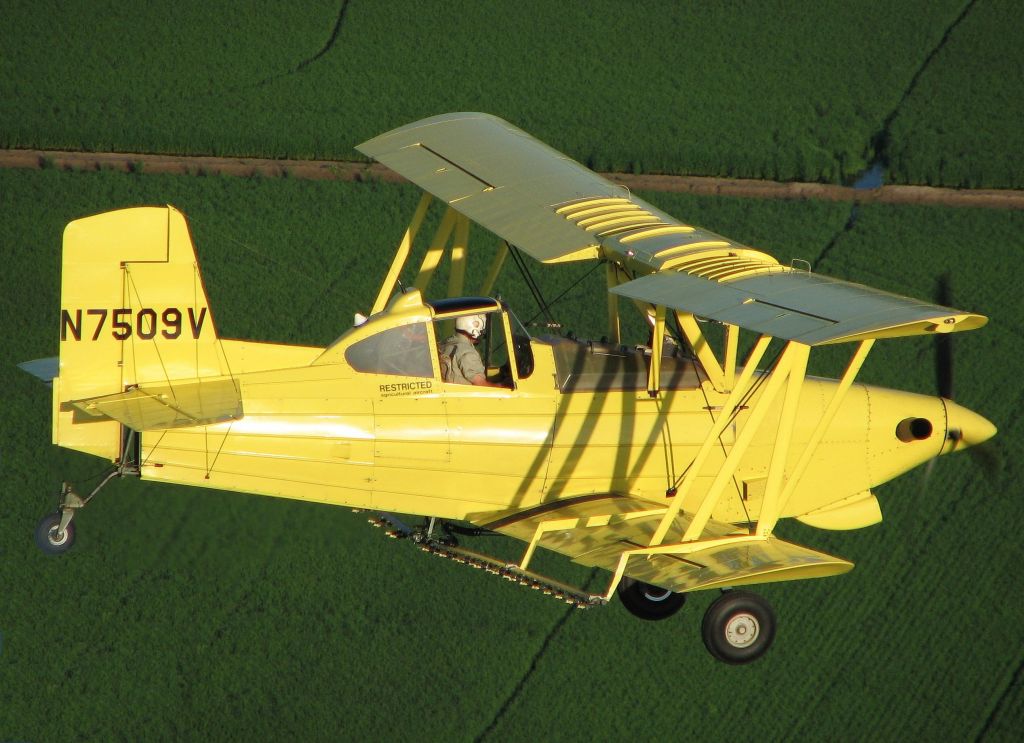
x=504, y=180
x=799, y=306
x=555, y=209
x=596, y=530
x=179, y=405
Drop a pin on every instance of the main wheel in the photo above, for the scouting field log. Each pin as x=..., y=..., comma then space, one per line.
x=738, y=627
x=649, y=602
x=50, y=539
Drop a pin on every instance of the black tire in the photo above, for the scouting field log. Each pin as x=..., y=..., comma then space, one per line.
x=47, y=538
x=738, y=627
x=649, y=602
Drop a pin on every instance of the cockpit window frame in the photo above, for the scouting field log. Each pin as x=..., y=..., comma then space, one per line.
x=453, y=308
x=429, y=344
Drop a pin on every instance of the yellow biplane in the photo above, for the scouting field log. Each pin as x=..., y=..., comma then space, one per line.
x=668, y=463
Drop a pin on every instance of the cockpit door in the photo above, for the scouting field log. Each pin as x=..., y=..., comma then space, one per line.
x=500, y=436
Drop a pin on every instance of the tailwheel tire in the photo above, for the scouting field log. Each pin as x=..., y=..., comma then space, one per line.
x=649, y=602
x=50, y=539
x=739, y=627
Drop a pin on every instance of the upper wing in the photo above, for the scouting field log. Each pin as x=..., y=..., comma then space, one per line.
x=555, y=210
x=506, y=181
x=597, y=530
x=171, y=406
x=798, y=306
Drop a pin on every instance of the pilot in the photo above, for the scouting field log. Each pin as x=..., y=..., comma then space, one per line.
x=460, y=361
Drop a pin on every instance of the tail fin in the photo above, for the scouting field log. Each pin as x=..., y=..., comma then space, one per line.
x=133, y=312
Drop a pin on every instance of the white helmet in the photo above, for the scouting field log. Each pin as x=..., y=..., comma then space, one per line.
x=472, y=324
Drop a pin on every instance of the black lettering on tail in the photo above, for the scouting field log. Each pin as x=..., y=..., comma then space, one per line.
x=197, y=325
x=102, y=314
x=75, y=325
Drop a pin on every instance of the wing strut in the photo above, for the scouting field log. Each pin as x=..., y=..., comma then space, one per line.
x=789, y=372
x=706, y=355
x=402, y=254
x=657, y=345
x=737, y=394
x=768, y=520
x=791, y=365
x=732, y=339
x=614, y=327
x=436, y=250
x=492, y=273
x=777, y=467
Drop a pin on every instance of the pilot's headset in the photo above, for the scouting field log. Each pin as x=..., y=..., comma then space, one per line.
x=474, y=325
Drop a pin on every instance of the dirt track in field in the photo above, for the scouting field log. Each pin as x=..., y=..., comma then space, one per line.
x=356, y=171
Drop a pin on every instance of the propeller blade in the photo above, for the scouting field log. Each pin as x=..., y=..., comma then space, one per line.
x=928, y=470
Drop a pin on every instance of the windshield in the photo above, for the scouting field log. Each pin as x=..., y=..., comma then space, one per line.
x=521, y=345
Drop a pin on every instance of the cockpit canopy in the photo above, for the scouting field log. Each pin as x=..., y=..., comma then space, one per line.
x=583, y=366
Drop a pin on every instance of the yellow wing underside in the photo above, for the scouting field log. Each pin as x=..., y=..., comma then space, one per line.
x=598, y=530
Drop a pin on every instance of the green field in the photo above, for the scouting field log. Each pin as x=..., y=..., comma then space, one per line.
x=192, y=614
x=772, y=90
x=961, y=126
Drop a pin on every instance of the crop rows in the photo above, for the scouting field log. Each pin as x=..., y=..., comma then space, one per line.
x=961, y=127
x=186, y=613
x=787, y=92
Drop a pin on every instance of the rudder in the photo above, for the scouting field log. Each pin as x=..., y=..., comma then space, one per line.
x=134, y=311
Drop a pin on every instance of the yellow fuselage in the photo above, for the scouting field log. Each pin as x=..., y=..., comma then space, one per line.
x=572, y=420
x=324, y=432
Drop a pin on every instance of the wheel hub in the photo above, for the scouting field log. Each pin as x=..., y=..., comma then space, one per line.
x=742, y=630
x=56, y=536
x=656, y=594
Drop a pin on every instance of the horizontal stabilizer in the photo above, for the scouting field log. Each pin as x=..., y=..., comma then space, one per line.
x=179, y=405
x=44, y=369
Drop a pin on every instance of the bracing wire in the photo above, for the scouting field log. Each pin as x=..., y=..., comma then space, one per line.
x=678, y=333
x=740, y=406
x=531, y=284
x=568, y=289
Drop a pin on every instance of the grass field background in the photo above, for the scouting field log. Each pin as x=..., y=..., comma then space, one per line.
x=185, y=613
x=786, y=91
x=960, y=126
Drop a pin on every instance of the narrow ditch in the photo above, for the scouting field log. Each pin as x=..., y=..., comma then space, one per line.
x=874, y=175
x=347, y=170
x=535, y=661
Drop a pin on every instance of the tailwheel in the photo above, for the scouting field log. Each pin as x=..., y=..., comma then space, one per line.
x=53, y=538
x=649, y=602
x=55, y=533
x=739, y=627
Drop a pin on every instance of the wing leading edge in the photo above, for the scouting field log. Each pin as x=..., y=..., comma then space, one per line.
x=798, y=306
